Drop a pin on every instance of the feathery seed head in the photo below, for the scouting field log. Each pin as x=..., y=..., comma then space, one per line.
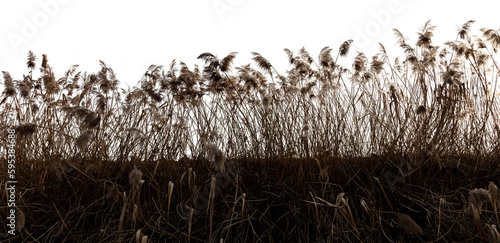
x=345, y=47
x=215, y=156
x=31, y=60
x=135, y=177
x=9, y=89
x=478, y=197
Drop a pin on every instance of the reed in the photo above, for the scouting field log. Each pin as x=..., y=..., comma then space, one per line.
x=374, y=149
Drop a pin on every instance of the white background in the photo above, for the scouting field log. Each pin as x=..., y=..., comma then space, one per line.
x=131, y=35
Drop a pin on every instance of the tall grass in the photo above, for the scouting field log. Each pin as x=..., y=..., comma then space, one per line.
x=434, y=106
x=408, y=105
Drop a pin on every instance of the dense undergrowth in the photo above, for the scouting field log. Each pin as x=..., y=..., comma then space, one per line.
x=386, y=150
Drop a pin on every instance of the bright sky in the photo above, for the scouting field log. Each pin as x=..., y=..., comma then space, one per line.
x=131, y=35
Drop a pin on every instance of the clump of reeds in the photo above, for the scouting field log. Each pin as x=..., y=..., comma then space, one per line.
x=355, y=110
x=495, y=198
x=215, y=156
x=303, y=140
x=477, y=198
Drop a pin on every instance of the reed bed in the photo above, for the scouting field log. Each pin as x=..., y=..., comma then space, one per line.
x=403, y=149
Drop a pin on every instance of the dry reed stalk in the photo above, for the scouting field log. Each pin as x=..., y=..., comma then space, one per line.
x=494, y=233
x=477, y=221
x=156, y=168
x=495, y=198
x=135, y=213
x=136, y=182
x=122, y=214
x=170, y=191
x=190, y=171
x=138, y=236
x=316, y=211
x=477, y=198
x=346, y=211
x=440, y=215
x=385, y=195
x=191, y=213
x=211, y=201
x=365, y=207
x=418, y=99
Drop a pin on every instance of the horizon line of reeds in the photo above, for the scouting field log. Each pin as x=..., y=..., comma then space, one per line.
x=432, y=100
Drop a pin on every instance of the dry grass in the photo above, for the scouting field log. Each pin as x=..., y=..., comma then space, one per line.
x=385, y=150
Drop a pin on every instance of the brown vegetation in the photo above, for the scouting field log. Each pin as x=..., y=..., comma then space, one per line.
x=387, y=150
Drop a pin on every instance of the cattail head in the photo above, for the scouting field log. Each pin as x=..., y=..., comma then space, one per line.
x=135, y=177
